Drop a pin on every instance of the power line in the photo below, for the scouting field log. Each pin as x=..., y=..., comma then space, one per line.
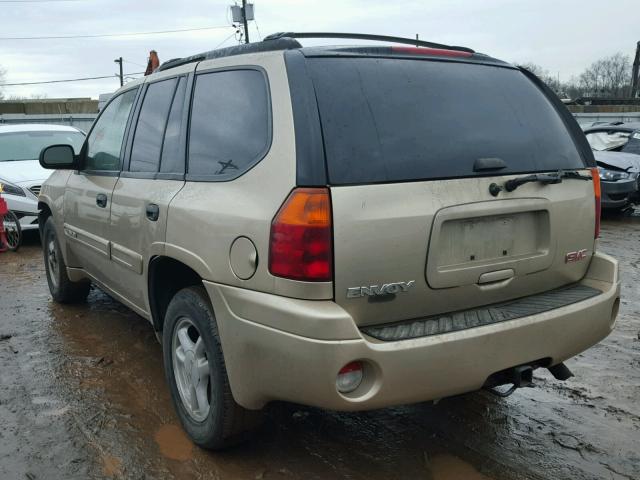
x=222, y=42
x=257, y=28
x=67, y=80
x=134, y=63
x=59, y=37
x=38, y=1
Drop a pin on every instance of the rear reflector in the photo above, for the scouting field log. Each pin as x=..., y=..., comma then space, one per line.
x=300, y=247
x=349, y=377
x=441, y=52
x=597, y=193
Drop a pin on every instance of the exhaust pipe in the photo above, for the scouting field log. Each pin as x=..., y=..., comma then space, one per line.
x=560, y=372
x=521, y=377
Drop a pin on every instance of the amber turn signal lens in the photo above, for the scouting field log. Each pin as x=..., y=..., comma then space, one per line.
x=300, y=246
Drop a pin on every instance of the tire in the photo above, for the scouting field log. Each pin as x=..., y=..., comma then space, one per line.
x=62, y=289
x=219, y=421
x=12, y=231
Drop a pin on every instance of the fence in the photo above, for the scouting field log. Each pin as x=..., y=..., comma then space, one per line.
x=83, y=121
x=589, y=118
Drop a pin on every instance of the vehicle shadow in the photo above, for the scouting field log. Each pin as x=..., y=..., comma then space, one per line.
x=113, y=367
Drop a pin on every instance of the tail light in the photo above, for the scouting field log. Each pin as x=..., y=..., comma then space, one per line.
x=300, y=247
x=597, y=192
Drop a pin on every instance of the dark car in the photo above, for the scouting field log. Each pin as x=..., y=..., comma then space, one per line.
x=617, y=151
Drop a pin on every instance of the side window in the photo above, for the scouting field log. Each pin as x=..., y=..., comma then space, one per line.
x=172, y=160
x=147, y=140
x=230, y=123
x=105, y=140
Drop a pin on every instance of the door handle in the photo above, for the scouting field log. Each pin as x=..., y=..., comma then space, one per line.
x=101, y=200
x=153, y=212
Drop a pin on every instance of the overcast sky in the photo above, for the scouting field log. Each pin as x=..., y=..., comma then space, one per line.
x=563, y=36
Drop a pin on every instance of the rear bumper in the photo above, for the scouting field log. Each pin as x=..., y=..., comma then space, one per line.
x=267, y=363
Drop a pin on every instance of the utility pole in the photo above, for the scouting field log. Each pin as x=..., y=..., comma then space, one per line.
x=119, y=60
x=244, y=21
x=243, y=14
x=635, y=74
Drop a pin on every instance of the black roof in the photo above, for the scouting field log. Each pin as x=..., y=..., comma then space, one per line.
x=287, y=41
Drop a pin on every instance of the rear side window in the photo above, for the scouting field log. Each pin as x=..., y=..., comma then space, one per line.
x=388, y=120
x=172, y=158
x=147, y=142
x=230, y=129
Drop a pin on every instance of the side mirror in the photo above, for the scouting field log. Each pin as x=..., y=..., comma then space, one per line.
x=58, y=157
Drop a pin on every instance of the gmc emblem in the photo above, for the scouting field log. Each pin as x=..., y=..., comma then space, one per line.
x=576, y=256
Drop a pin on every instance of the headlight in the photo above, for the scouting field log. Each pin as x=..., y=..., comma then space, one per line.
x=11, y=189
x=612, y=175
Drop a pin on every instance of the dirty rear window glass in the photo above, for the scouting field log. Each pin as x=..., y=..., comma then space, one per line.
x=230, y=124
x=388, y=120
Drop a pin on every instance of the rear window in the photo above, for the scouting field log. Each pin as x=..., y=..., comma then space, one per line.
x=388, y=120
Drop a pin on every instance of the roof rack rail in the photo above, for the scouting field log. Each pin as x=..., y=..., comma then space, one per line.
x=365, y=36
x=277, y=44
x=286, y=41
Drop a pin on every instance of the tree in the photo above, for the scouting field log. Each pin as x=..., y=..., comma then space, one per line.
x=608, y=77
x=3, y=73
x=545, y=76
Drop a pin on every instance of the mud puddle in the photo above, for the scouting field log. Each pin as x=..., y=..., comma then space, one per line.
x=85, y=397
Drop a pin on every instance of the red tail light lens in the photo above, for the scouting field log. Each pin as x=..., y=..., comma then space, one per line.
x=597, y=192
x=440, y=52
x=300, y=246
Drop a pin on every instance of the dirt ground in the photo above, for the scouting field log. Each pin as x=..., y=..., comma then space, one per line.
x=82, y=395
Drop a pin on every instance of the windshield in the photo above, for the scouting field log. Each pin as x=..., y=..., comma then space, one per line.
x=388, y=120
x=28, y=145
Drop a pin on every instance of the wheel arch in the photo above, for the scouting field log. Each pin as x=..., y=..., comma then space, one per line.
x=44, y=212
x=166, y=277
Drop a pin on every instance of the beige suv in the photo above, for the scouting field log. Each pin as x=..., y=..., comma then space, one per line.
x=343, y=227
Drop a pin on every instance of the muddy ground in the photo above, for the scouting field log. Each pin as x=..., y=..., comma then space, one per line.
x=82, y=395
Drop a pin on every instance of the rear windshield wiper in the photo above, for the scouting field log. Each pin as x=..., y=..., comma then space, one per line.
x=544, y=178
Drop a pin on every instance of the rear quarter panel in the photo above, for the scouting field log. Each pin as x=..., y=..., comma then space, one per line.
x=206, y=217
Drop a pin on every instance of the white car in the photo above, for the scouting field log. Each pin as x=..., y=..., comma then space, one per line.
x=20, y=172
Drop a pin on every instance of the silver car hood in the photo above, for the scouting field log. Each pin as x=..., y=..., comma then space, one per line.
x=624, y=161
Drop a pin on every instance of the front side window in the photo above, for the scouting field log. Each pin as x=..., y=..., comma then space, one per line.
x=104, y=143
x=147, y=142
x=230, y=123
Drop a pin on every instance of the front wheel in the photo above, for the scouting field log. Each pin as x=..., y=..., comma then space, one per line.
x=12, y=231
x=197, y=376
x=62, y=289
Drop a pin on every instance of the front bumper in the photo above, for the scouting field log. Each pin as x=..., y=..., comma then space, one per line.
x=277, y=348
x=26, y=208
x=618, y=194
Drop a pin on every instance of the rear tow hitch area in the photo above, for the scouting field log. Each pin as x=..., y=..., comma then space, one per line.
x=522, y=376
